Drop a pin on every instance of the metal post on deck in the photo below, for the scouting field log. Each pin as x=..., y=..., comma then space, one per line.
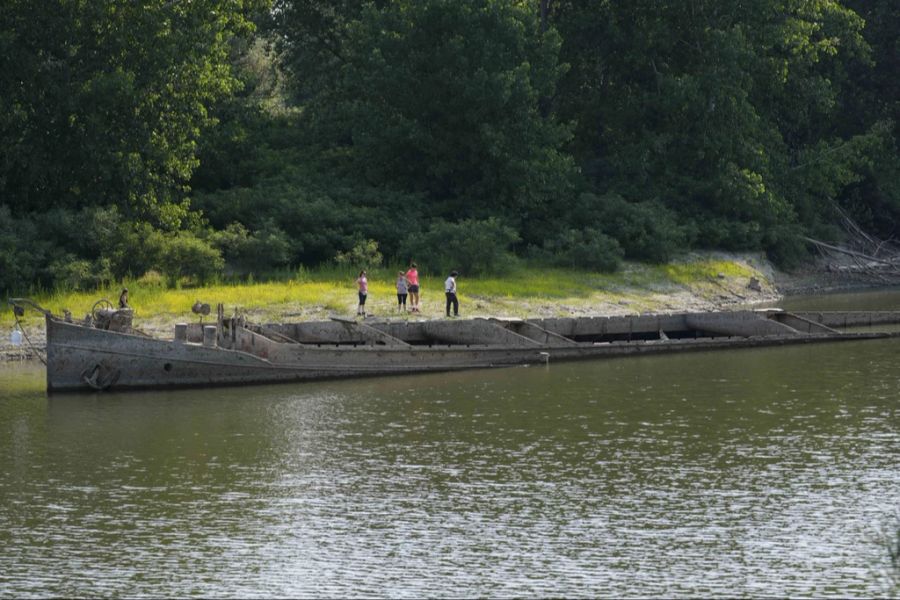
x=209, y=335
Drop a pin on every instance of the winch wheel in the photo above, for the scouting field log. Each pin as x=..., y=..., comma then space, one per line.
x=99, y=306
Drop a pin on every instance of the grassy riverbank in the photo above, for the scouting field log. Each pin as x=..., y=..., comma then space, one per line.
x=700, y=282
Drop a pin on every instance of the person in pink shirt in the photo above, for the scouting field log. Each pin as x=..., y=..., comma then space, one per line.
x=412, y=279
x=363, y=284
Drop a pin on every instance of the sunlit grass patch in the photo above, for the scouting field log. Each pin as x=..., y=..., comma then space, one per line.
x=694, y=272
x=540, y=283
x=318, y=293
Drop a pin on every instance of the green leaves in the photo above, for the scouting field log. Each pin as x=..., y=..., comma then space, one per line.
x=106, y=100
x=708, y=106
x=573, y=127
x=470, y=246
x=441, y=98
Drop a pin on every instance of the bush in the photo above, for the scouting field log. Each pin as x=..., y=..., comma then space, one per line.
x=185, y=255
x=22, y=253
x=717, y=232
x=786, y=249
x=364, y=255
x=470, y=246
x=151, y=279
x=583, y=249
x=130, y=248
x=319, y=215
x=231, y=240
x=72, y=273
x=645, y=230
x=263, y=250
x=268, y=247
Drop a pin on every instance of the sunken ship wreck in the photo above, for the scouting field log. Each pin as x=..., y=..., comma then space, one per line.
x=104, y=351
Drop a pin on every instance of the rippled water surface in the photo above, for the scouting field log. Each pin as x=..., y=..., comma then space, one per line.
x=756, y=472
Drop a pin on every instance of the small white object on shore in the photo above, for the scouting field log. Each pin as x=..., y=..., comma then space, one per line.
x=16, y=336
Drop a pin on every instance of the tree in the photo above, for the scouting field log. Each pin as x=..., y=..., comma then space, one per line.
x=441, y=98
x=314, y=37
x=873, y=102
x=102, y=103
x=720, y=110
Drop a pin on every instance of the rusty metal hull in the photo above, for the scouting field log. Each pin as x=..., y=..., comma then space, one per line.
x=85, y=359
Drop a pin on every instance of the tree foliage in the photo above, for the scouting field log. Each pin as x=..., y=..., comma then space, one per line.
x=272, y=134
x=411, y=103
x=723, y=111
x=470, y=246
x=102, y=103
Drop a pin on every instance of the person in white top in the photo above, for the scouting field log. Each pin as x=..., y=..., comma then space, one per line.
x=450, y=291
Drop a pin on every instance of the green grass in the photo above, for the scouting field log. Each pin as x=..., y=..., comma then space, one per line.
x=695, y=272
x=318, y=293
x=536, y=283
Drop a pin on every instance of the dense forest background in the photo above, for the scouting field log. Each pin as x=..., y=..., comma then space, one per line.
x=209, y=137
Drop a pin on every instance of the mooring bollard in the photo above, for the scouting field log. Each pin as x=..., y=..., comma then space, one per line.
x=209, y=335
x=181, y=332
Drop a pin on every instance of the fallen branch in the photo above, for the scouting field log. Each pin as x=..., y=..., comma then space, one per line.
x=847, y=251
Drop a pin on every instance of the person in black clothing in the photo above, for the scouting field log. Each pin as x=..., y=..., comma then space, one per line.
x=123, y=299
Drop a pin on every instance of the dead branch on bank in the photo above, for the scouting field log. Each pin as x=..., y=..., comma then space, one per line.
x=862, y=255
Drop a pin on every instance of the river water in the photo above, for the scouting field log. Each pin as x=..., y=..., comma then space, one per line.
x=755, y=472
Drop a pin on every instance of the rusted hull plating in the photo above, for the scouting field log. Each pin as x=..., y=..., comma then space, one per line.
x=84, y=359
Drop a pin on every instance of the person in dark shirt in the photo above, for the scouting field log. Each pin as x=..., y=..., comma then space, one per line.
x=123, y=299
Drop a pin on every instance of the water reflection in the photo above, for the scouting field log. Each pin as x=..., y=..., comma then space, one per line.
x=752, y=472
x=874, y=299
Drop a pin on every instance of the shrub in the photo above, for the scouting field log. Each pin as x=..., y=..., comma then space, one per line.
x=786, y=249
x=645, y=230
x=71, y=273
x=263, y=250
x=231, y=240
x=129, y=248
x=583, y=249
x=22, y=252
x=470, y=246
x=717, y=232
x=364, y=255
x=185, y=255
x=319, y=215
x=151, y=278
x=268, y=247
